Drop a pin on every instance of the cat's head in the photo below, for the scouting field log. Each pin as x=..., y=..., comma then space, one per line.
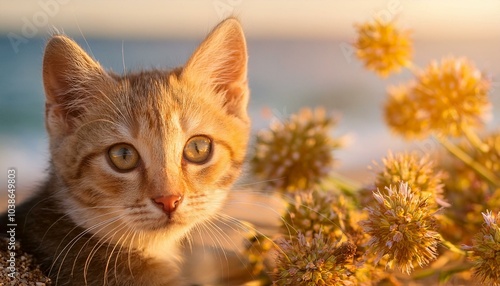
x=152, y=151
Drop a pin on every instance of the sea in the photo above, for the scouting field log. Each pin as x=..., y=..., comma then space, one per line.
x=285, y=75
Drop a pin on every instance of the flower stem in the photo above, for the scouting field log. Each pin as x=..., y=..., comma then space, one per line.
x=451, y=247
x=474, y=139
x=348, y=186
x=464, y=157
x=425, y=273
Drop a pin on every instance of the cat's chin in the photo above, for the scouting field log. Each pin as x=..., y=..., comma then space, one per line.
x=167, y=225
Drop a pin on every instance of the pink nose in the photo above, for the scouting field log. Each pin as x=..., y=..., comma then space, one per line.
x=168, y=203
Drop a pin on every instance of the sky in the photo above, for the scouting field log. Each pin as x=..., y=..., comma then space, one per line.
x=452, y=19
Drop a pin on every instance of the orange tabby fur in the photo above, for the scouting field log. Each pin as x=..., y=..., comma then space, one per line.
x=92, y=224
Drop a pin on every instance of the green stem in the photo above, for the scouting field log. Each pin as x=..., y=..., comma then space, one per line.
x=452, y=247
x=469, y=161
x=425, y=273
x=348, y=186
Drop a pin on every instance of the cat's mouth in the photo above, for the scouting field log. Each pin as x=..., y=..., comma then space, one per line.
x=169, y=223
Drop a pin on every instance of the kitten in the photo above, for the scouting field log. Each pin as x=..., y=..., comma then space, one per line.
x=137, y=161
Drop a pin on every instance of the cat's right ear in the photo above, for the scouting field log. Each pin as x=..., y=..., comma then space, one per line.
x=70, y=79
x=221, y=62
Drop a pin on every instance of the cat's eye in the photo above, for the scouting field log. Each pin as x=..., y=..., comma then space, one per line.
x=198, y=149
x=123, y=156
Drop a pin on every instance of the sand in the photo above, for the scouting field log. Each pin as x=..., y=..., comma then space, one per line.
x=27, y=272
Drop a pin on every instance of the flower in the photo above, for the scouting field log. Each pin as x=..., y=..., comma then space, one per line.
x=403, y=114
x=417, y=172
x=316, y=212
x=454, y=93
x=313, y=262
x=446, y=98
x=401, y=226
x=297, y=154
x=382, y=47
x=486, y=250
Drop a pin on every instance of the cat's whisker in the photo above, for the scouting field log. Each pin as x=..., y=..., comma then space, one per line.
x=71, y=243
x=262, y=182
x=246, y=227
x=127, y=234
x=76, y=226
x=77, y=237
x=216, y=241
x=290, y=200
x=255, y=204
x=106, y=269
x=129, y=259
x=83, y=246
x=123, y=58
x=227, y=238
x=83, y=36
x=278, y=214
x=228, y=221
x=189, y=238
x=35, y=205
x=102, y=240
x=199, y=231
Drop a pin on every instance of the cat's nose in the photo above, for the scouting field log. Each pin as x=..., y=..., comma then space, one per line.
x=168, y=203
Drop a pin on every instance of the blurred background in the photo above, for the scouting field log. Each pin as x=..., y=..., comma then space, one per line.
x=301, y=54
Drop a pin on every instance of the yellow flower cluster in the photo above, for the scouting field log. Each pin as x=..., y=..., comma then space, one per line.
x=382, y=47
x=446, y=98
x=402, y=227
x=296, y=154
x=486, y=250
x=316, y=212
x=417, y=172
x=313, y=262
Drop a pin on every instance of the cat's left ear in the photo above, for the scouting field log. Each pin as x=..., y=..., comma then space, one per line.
x=221, y=62
x=71, y=78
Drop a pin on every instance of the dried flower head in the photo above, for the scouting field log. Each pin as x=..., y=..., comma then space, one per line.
x=402, y=227
x=486, y=250
x=304, y=262
x=445, y=98
x=403, y=114
x=382, y=47
x=454, y=93
x=297, y=154
x=313, y=212
x=417, y=172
